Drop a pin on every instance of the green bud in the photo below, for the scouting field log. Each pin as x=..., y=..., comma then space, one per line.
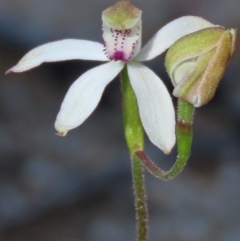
x=197, y=62
x=122, y=15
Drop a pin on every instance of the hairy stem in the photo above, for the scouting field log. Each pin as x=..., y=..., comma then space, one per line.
x=140, y=199
x=134, y=135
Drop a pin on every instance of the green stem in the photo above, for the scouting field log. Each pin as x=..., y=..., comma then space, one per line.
x=134, y=135
x=184, y=142
x=140, y=199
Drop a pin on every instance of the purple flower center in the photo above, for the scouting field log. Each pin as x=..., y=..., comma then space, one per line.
x=118, y=55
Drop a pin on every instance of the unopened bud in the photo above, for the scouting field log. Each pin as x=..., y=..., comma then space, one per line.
x=197, y=62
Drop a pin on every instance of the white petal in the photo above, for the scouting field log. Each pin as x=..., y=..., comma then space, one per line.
x=62, y=50
x=84, y=95
x=155, y=106
x=170, y=33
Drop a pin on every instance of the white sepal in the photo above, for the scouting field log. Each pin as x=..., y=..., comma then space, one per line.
x=84, y=95
x=62, y=50
x=170, y=33
x=155, y=106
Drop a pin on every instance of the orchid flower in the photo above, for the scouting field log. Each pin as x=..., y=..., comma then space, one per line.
x=122, y=31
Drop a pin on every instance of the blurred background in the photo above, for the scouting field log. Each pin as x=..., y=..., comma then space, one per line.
x=79, y=187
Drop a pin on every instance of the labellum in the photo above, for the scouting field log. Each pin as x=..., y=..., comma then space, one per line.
x=122, y=31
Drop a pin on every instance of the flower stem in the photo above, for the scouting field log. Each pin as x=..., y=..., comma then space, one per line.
x=184, y=142
x=134, y=135
x=140, y=199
